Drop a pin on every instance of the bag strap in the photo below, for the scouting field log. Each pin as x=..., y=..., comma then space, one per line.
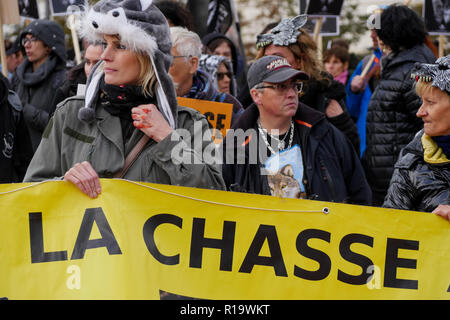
x=132, y=156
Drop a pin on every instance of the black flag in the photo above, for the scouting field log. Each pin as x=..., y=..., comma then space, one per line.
x=220, y=16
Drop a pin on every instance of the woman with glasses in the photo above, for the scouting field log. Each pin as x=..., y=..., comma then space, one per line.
x=40, y=74
x=283, y=148
x=290, y=41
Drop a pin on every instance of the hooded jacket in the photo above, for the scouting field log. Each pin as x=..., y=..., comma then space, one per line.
x=332, y=170
x=207, y=91
x=391, y=116
x=36, y=89
x=421, y=179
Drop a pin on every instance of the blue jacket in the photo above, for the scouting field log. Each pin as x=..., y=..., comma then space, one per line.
x=358, y=103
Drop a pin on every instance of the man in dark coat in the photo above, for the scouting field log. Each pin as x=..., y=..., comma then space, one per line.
x=290, y=150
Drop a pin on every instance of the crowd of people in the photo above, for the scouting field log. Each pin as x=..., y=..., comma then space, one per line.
x=374, y=132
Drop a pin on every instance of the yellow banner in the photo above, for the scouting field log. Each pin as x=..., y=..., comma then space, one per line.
x=150, y=241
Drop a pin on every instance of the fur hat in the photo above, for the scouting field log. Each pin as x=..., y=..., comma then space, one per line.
x=438, y=74
x=142, y=28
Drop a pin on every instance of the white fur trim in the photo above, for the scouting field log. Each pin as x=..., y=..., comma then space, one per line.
x=145, y=4
x=131, y=35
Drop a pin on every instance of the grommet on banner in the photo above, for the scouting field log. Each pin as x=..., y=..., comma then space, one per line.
x=326, y=210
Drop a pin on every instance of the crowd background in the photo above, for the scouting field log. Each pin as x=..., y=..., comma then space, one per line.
x=217, y=71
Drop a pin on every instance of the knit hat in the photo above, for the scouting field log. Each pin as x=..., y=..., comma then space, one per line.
x=438, y=74
x=50, y=33
x=142, y=28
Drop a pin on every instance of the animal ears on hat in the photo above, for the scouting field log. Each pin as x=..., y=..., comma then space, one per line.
x=284, y=34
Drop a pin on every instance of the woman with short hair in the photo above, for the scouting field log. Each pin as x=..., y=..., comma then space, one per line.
x=421, y=179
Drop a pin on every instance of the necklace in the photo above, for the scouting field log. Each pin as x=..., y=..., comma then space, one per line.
x=281, y=143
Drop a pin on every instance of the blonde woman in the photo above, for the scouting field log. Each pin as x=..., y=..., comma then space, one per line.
x=130, y=100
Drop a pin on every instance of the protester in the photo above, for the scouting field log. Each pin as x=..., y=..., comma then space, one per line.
x=336, y=63
x=15, y=144
x=421, y=179
x=321, y=92
x=353, y=59
x=41, y=73
x=219, y=44
x=359, y=88
x=176, y=13
x=14, y=57
x=78, y=74
x=220, y=71
x=125, y=127
x=302, y=154
x=391, y=115
x=190, y=81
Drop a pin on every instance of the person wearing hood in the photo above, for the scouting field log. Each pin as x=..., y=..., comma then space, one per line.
x=220, y=71
x=421, y=179
x=219, y=44
x=391, y=115
x=127, y=124
x=40, y=74
x=190, y=80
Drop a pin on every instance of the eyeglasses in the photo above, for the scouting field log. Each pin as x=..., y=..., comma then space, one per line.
x=31, y=40
x=282, y=87
x=221, y=75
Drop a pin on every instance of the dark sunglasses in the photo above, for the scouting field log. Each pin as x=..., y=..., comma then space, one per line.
x=220, y=75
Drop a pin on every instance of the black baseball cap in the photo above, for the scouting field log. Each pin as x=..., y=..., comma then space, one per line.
x=273, y=69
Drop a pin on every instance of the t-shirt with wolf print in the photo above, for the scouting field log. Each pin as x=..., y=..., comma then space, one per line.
x=285, y=172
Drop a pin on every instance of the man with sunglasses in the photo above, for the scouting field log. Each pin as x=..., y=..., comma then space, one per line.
x=189, y=80
x=286, y=148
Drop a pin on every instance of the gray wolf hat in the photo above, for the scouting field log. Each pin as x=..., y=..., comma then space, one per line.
x=142, y=28
x=438, y=73
x=273, y=69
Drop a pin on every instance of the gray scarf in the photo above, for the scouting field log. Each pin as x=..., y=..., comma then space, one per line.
x=29, y=78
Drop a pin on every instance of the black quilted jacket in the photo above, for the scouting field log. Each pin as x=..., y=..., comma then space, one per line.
x=418, y=185
x=391, y=117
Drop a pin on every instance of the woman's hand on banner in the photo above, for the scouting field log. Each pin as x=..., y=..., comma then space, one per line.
x=85, y=178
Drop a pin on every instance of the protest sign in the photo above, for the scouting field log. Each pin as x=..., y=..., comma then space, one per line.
x=218, y=114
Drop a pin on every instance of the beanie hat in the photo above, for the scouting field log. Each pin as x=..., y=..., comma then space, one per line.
x=50, y=33
x=142, y=28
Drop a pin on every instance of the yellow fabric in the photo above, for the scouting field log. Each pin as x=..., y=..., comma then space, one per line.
x=432, y=152
x=268, y=245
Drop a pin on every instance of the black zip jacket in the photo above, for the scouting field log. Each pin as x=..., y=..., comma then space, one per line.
x=416, y=184
x=332, y=169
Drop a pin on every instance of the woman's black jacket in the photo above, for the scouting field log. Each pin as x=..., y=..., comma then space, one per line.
x=416, y=184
